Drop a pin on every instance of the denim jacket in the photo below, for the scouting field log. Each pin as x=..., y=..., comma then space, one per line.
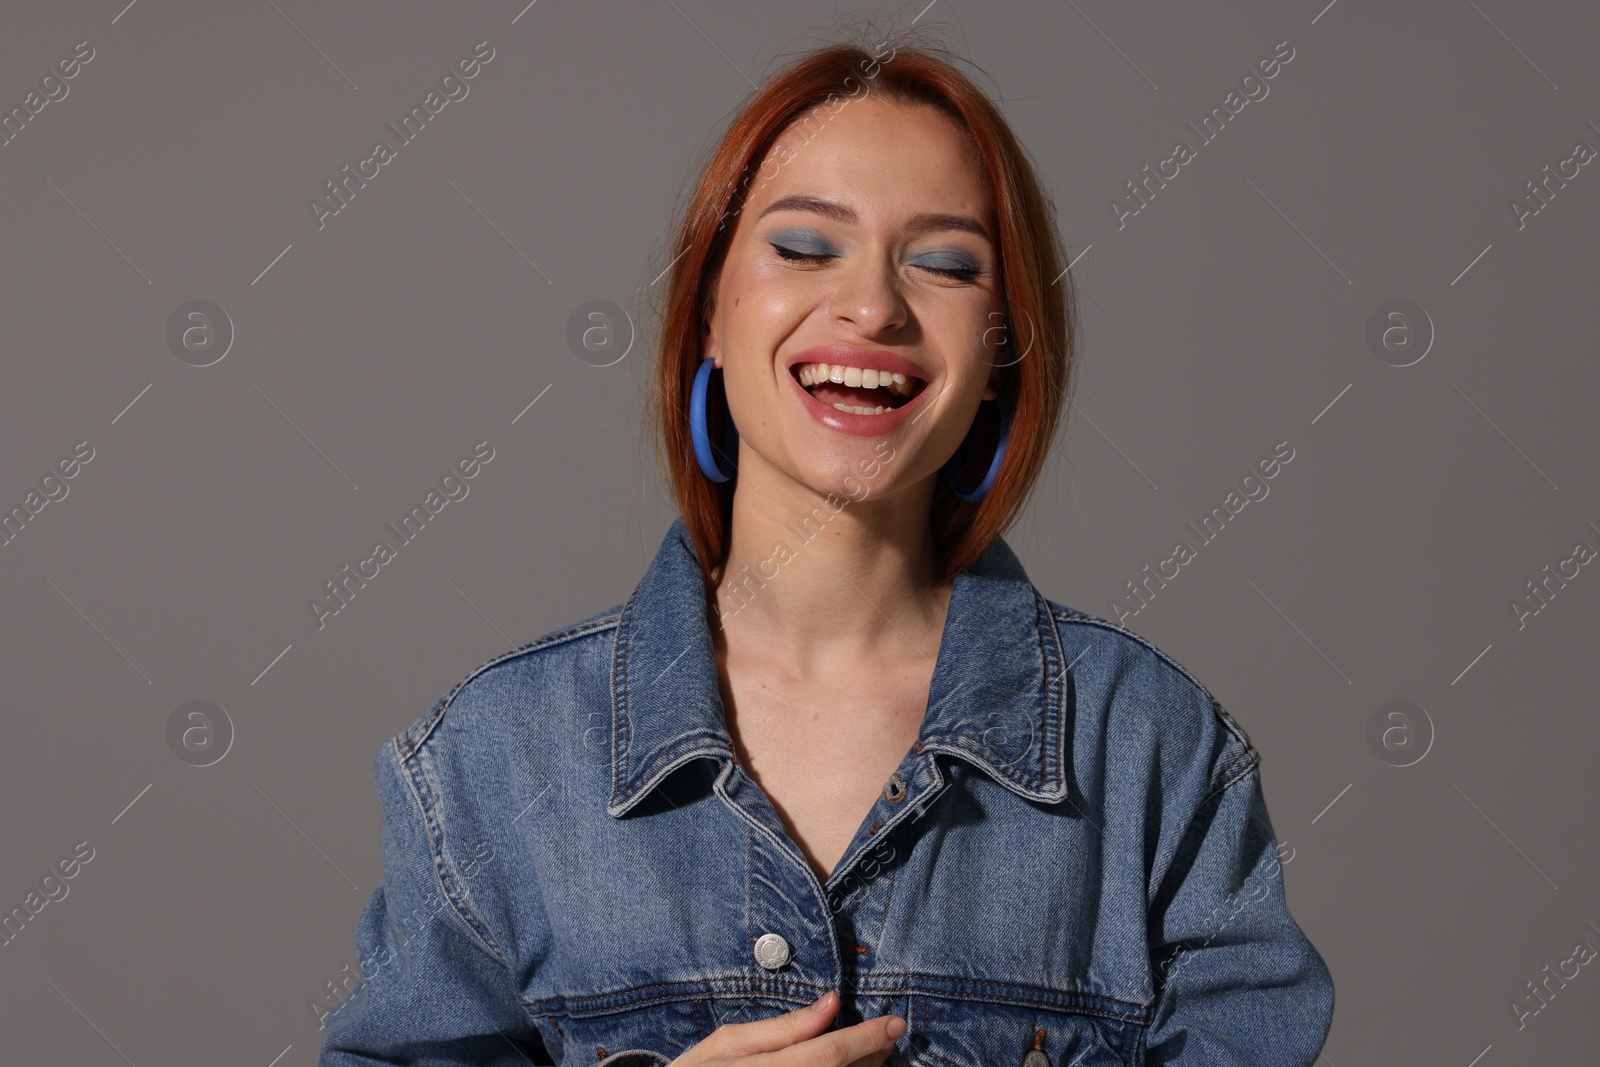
x=1074, y=860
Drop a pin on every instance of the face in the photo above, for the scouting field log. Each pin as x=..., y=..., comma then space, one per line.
x=869, y=247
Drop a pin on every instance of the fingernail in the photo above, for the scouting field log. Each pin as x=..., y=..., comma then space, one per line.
x=896, y=1027
x=821, y=1003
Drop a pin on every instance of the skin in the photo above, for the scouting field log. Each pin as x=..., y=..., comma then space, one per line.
x=799, y=1038
x=857, y=609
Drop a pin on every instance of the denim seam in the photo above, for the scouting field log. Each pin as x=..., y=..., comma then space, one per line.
x=1087, y=1010
x=928, y=1054
x=1239, y=769
x=888, y=909
x=1200, y=809
x=1091, y=1004
x=749, y=882
x=1066, y=614
x=1049, y=637
x=415, y=737
x=702, y=1014
x=619, y=689
x=423, y=792
x=407, y=747
x=1222, y=713
x=699, y=743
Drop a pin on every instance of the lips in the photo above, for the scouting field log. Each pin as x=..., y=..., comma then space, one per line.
x=878, y=359
x=821, y=397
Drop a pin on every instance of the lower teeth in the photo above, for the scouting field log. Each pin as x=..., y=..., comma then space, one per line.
x=861, y=411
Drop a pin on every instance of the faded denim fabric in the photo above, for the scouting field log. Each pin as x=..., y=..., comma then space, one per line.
x=1074, y=856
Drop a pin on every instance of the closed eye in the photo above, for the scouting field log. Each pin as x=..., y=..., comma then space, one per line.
x=965, y=274
x=793, y=254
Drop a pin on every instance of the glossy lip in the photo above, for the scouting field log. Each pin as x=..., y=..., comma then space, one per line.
x=878, y=359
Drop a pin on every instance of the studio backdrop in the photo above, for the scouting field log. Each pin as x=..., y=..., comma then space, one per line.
x=286, y=281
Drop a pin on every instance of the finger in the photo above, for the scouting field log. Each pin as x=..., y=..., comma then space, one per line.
x=839, y=1048
x=778, y=1032
x=877, y=1059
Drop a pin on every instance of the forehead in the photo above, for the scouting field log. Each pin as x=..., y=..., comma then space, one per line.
x=886, y=158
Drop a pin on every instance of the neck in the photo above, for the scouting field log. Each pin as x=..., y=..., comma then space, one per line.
x=817, y=579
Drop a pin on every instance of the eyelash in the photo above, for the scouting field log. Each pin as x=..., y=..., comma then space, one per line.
x=965, y=274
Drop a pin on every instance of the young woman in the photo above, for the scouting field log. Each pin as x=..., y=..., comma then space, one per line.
x=837, y=786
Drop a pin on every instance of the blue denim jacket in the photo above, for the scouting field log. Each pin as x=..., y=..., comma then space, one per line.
x=1074, y=857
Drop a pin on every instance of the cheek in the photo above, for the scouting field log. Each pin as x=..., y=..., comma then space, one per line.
x=764, y=309
x=968, y=333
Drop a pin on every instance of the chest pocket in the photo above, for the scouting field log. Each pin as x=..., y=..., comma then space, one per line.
x=950, y=1032
x=667, y=1026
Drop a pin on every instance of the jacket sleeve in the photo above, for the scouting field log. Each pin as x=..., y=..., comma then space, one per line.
x=434, y=985
x=1238, y=983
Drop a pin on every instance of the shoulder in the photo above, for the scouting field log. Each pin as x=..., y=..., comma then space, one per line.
x=1146, y=690
x=449, y=784
x=506, y=683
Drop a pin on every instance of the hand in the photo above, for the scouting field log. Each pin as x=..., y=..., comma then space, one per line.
x=798, y=1038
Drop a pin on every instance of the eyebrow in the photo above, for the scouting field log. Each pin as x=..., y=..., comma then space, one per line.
x=926, y=222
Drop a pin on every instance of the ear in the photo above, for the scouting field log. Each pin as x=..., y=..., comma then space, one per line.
x=711, y=349
x=991, y=391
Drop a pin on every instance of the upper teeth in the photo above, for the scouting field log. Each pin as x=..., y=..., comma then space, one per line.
x=854, y=377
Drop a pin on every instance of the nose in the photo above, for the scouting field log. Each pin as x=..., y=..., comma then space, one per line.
x=869, y=297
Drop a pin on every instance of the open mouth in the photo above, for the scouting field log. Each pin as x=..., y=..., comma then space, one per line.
x=855, y=390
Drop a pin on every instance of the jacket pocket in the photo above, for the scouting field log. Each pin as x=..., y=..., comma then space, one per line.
x=651, y=1034
x=968, y=1032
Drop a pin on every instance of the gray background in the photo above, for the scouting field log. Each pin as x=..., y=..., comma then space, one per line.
x=1229, y=315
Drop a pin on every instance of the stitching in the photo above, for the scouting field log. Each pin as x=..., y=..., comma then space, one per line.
x=1125, y=1036
x=1054, y=686
x=1084, y=1010
x=928, y=1054
x=1066, y=614
x=407, y=745
x=749, y=882
x=1230, y=772
x=619, y=689
x=888, y=906
x=1039, y=617
x=1247, y=764
x=415, y=737
x=674, y=991
x=422, y=791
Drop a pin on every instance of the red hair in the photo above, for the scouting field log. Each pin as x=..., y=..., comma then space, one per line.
x=1040, y=321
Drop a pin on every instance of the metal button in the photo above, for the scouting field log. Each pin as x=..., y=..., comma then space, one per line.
x=1035, y=1056
x=895, y=791
x=772, y=951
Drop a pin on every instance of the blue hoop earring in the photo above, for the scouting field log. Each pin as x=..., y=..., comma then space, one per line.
x=709, y=466
x=952, y=468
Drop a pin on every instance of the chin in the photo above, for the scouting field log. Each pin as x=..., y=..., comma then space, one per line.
x=856, y=474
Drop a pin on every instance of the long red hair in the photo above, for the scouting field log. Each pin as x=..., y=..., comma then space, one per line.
x=1041, y=320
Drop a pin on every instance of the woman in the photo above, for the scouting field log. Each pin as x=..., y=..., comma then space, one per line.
x=836, y=751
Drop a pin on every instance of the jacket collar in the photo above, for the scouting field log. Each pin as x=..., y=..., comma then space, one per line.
x=996, y=697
